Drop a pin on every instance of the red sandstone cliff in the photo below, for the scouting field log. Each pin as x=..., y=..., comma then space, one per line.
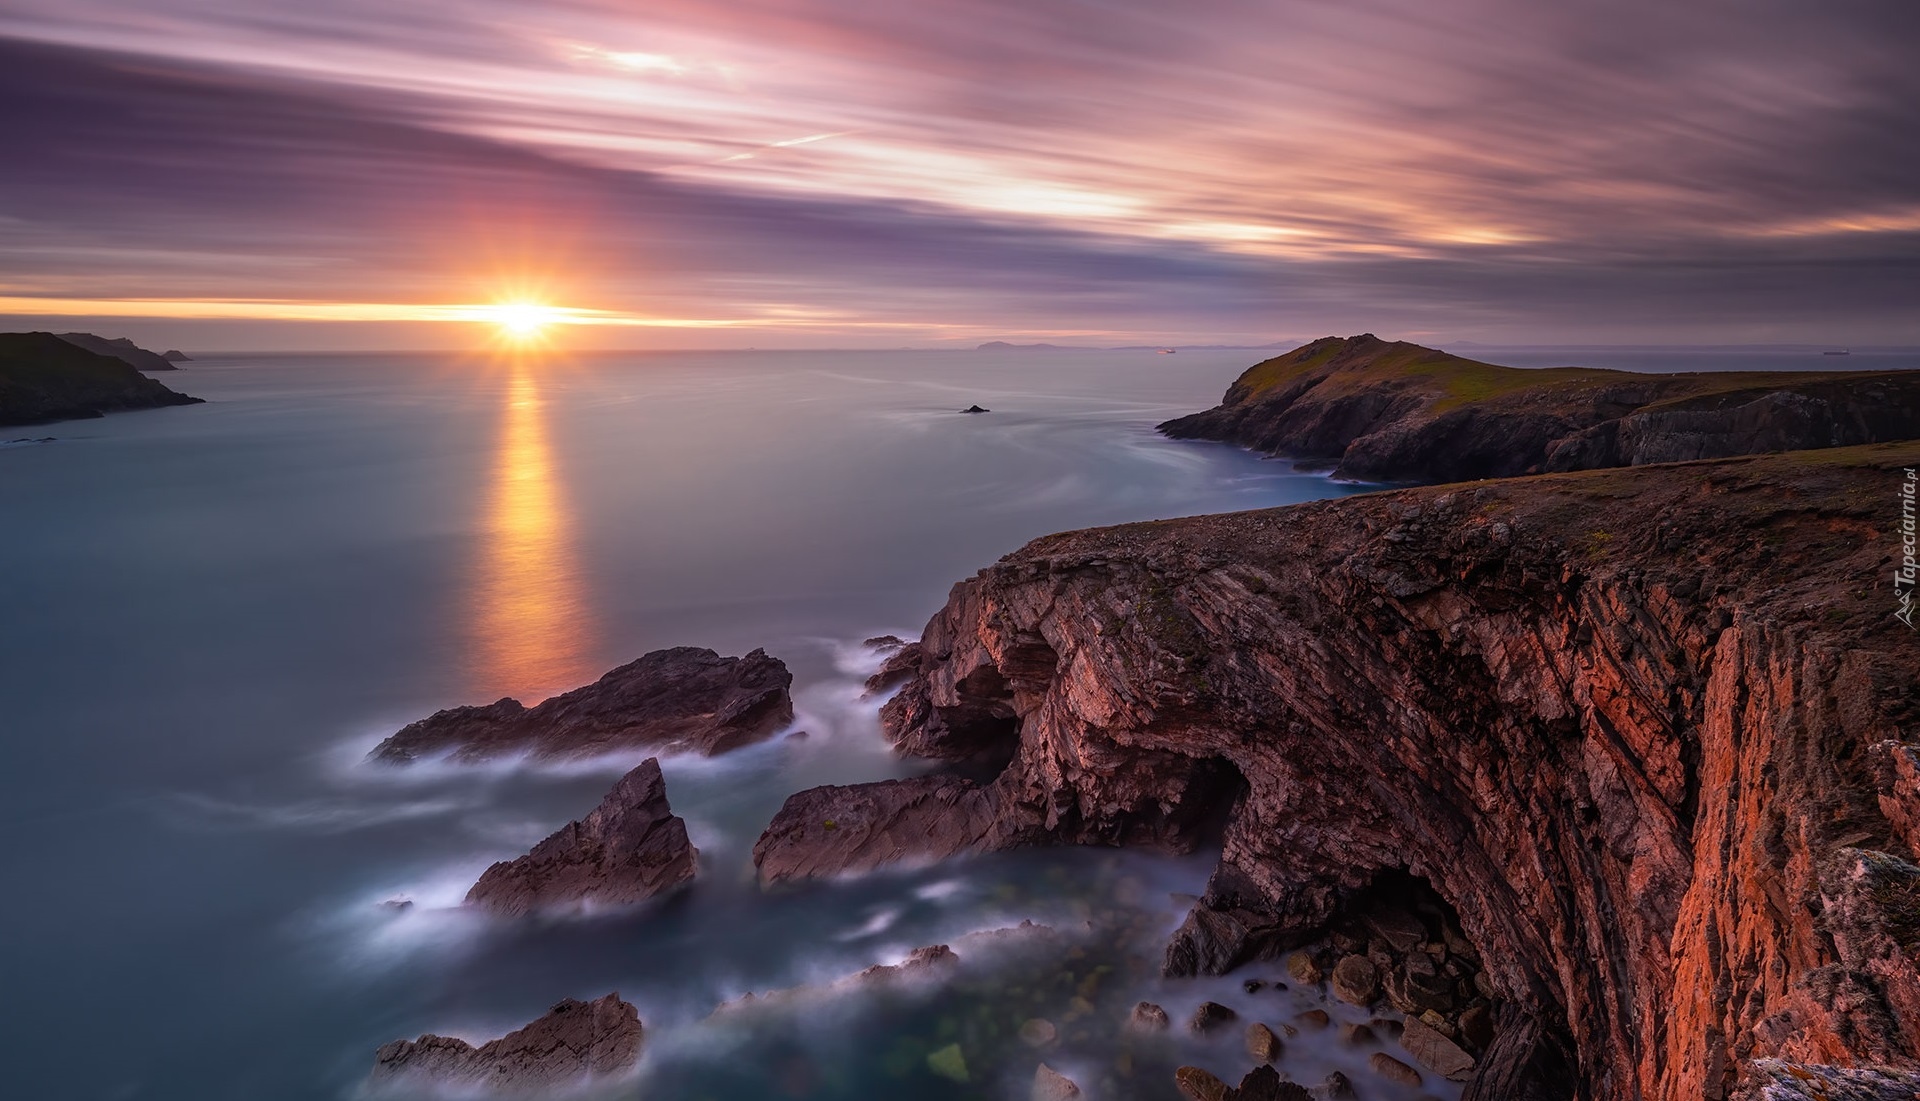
x=1639, y=728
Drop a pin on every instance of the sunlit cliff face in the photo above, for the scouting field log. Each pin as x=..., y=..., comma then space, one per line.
x=955, y=168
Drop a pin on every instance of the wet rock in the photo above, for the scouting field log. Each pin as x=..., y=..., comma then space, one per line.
x=1051, y=1085
x=975, y=409
x=1303, y=968
x=1435, y=1052
x=1148, y=1017
x=1263, y=1083
x=630, y=848
x=1337, y=1087
x=884, y=642
x=575, y=1044
x=1262, y=1044
x=1253, y=986
x=1195, y=1084
x=397, y=905
x=1038, y=1032
x=1356, y=981
x=1356, y=1035
x=901, y=664
x=685, y=699
x=1393, y=1070
x=1314, y=1019
x=1210, y=1017
x=836, y=829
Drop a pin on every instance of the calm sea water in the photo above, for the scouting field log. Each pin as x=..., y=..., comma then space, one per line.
x=209, y=614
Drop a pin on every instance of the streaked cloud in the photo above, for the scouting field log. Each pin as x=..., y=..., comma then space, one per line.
x=1225, y=169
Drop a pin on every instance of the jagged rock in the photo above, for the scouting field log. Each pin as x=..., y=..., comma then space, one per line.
x=685, y=699
x=1620, y=720
x=1435, y=1052
x=1393, y=1070
x=1195, y=1084
x=975, y=409
x=901, y=664
x=1210, y=1017
x=1786, y=1080
x=1051, y=1085
x=1356, y=981
x=1148, y=1017
x=630, y=848
x=1263, y=1083
x=1262, y=1044
x=575, y=1044
x=1392, y=411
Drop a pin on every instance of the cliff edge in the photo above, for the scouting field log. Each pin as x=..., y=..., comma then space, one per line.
x=1647, y=733
x=1382, y=411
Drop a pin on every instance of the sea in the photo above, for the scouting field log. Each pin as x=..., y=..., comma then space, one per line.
x=209, y=614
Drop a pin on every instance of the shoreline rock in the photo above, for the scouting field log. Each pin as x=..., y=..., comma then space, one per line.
x=573, y=1046
x=46, y=378
x=629, y=849
x=684, y=699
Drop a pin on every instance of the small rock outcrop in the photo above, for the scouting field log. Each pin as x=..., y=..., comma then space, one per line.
x=681, y=700
x=631, y=848
x=1389, y=411
x=175, y=355
x=45, y=378
x=576, y=1044
x=1050, y=1085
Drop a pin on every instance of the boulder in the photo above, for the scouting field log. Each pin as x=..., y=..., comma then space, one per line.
x=1195, y=1084
x=630, y=848
x=575, y=1044
x=1210, y=1017
x=1435, y=1052
x=1303, y=969
x=682, y=700
x=1393, y=1070
x=1262, y=1044
x=1356, y=981
x=1050, y=1085
x=1148, y=1017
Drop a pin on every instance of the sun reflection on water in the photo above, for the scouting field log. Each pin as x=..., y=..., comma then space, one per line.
x=530, y=617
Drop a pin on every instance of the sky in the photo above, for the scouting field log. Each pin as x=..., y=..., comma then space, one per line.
x=320, y=174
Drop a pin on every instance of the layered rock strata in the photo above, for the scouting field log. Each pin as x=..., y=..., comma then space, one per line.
x=573, y=1046
x=629, y=849
x=1376, y=410
x=685, y=699
x=1624, y=722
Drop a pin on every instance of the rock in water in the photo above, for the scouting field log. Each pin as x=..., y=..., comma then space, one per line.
x=685, y=699
x=1356, y=981
x=630, y=848
x=1148, y=1017
x=1050, y=1085
x=575, y=1044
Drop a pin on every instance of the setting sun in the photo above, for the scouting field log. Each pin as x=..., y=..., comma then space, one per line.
x=523, y=320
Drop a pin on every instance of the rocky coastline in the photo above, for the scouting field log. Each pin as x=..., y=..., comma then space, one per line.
x=1644, y=732
x=576, y=1045
x=1378, y=411
x=46, y=378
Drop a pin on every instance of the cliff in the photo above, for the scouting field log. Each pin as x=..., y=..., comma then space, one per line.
x=1642, y=731
x=683, y=699
x=1398, y=412
x=45, y=378
x=630, y=848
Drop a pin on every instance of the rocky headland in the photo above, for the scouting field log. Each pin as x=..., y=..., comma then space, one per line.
x=575, y=1045
x=681, y=700
x=1641, y=736
x=45, y=378
x=629, y=849
x=124, y=350
x=1373, y=410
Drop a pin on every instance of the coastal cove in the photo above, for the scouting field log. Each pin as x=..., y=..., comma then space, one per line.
x=233, y=602
x=355, y=542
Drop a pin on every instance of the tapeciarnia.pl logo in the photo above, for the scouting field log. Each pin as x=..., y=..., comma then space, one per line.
x=1904, y=575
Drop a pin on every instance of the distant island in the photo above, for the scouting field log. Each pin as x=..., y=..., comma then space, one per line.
x=46, y=377
x=1390, y=411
